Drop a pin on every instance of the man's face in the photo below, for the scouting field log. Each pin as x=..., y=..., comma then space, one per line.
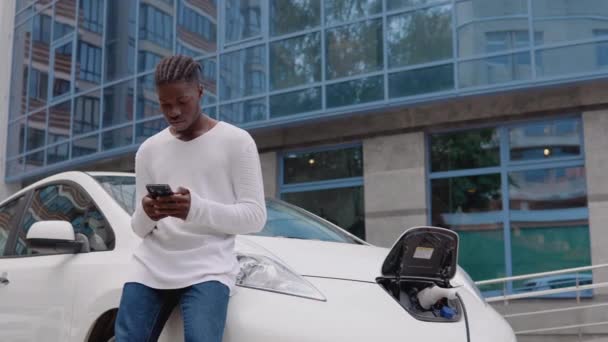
x=179, y=103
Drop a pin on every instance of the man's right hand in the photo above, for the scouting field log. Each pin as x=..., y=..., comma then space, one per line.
x=150, y=205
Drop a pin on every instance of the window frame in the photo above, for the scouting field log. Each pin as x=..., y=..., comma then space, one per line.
x=13, y=232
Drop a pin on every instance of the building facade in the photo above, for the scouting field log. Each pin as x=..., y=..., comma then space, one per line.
x=489, y=117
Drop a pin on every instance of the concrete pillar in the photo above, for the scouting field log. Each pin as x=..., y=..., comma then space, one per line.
x=394, y=185
x=7, y=19
x=269, y=164
x=596, y=159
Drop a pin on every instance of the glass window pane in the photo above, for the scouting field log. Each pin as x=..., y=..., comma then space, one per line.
x=57, y=153
x=421, y=81
x=485, y=37
x=196, y=28
x=345, y=10
x=243, y=19
x=147, y=129
x=419, y=37
x=39, y=73
x=243, y=73
x=118, y=104
x=36, y=129
x=464, y=150
x=495, y=70
x=472, y=206
x=355, y=92
x=396, y=4
x=8, y=214
x=88, y=60
x=572, y=60
x=87, y=109
x=65, y=18
x=295, y=102
x=288, y=16
x=209, y=81
x=19, y=77
x=244, y=112
x=147, y=100
x=91, y=20
x=16, y=138
x=120, y=39
x=85, y=146
x=34, y=161
x=546, y=140
x=354, y=49
x=470, y=10
x=341, y=206
x=300, y=167
x=15, y=167
x=549, y=219
x=295, y=61
x=117, y=138
x=59, y=122
x=155, y=34
x=62, y=75
x=569, y=20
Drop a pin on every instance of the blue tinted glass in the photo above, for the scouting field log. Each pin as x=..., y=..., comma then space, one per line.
x=572, y=60
x=355, y=92
x=118, y=104
x=21, y=69
x=15, y=167
x=344, y=10
x=62, y=70
x=295, y=61
x=288, y=16
x=243, y=73
x=495, y=70
x=243, y=19
x=34, y=160
x=546, y=140
x=301, y=101
x=85, y=146
x=147, y=99
x=87, y=113
x=39, y=73
x=16, y=138
x=147, y=129
x=117, y=138
x=421, y=81
x=88, y=68
x=57, y=153
x=396, y=4
x=36, y=132
x=65, y=18
x=120, y=39
x=196, y=28
x=59, y=122
x=244, y=112
x=209, y=81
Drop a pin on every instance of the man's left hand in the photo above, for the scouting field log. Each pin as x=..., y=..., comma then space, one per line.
x=176, y=205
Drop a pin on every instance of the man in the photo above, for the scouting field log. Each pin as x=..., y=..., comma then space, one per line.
x=187, y=256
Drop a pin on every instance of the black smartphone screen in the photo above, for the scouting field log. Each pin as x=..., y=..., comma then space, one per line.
x=159, y=190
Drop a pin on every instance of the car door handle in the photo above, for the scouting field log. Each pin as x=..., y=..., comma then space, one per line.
x=4, y=280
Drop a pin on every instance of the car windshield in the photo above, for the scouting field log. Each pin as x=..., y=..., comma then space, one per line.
x=283, y=219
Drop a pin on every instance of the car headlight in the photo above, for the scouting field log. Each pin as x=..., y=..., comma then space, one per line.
x=263, y=273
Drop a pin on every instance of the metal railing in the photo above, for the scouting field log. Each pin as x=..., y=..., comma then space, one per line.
x=530, y=293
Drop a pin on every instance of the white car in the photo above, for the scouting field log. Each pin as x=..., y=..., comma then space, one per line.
x=66, y=242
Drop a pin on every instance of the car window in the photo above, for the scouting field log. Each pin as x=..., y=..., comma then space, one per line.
x=66, y=203
x=7, y=217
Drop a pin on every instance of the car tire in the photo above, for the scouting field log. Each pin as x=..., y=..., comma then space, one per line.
x=103, y=331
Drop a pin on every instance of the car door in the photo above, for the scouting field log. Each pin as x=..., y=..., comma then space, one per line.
x=39, y=296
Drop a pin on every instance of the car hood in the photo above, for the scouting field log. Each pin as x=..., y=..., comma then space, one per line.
x=319, y=258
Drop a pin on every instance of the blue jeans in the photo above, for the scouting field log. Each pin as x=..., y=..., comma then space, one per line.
x=144, y=311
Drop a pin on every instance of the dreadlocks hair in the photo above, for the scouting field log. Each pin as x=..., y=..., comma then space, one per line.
x=177, y=68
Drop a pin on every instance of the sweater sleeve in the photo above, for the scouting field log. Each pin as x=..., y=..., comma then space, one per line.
x=141, y=223
x=248, y=213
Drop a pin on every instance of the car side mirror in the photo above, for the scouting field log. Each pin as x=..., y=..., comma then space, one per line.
x=55, y=237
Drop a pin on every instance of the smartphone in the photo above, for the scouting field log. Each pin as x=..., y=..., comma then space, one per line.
x=159, y=190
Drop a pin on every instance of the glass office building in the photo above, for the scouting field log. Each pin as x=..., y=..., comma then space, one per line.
x=514, y=185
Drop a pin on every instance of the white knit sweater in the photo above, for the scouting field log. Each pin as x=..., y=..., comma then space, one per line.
x=221, y=168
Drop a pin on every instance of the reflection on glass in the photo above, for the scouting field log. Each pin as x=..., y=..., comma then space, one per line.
x=34, y=160
x=464, y=150
x=20, y=70
x=196, y=27
x=243, y=73
x=15, y=167
x=495, y=70
x=472, y=206
x=147, y=129
x=243, y=19
x=118, y=104
x=117, y=138
x=341, y=206
x=155, y=35
x=295, y=61
x=572, y=60
x=39, y=73
x=120, y=39
x=85, y=146
x=59, y=122
x=494, y=36
x=57, y=153
x=549, y=219
x=316, y=166
x=419, y=37
x=421, y=81
x=396, y=4
x=147, y=100
x=546, y=140
x=569, y=20
x=288, y=16
x=62, y=73
x=89, y=48
x=16, y=138
x=36, y=129
x=354, y=49
x=91, y=17
x=471, y=10
x=244, y=112
x=355, y=92
x=211, y=112
x=209, y=81
x=295, y=102
x=65, y=18
x=344, y=10
x=87, y=109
